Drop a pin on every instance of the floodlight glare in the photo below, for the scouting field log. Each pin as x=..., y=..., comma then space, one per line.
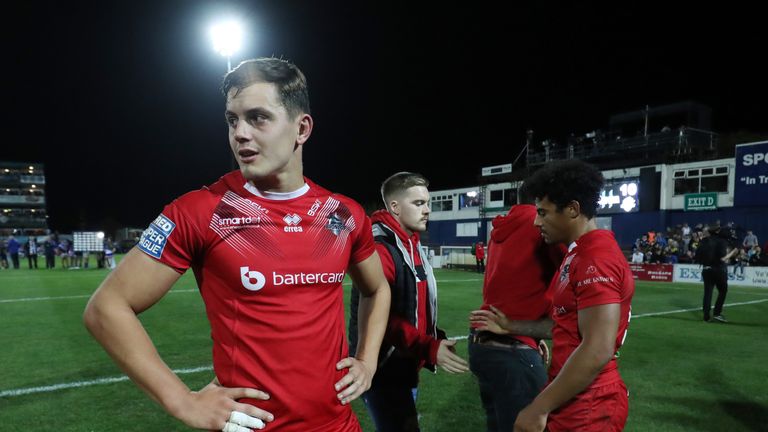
x=100, y=235
x=227, y=38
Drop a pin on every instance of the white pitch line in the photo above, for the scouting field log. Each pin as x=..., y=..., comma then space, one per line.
x=695, y=309
x=110, y=380
x=30, y=299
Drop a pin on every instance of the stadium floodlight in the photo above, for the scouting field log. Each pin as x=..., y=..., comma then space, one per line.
x=227, y=39
x=100, y=235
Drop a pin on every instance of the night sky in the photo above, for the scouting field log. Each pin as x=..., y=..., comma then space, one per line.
x=121, y=101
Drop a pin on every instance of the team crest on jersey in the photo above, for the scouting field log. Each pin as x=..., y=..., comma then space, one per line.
x=335, y=224
x=155, y=237
x=292, y=221
x=591, y=269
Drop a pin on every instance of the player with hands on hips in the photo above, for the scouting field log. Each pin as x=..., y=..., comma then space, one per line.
x=269, y=249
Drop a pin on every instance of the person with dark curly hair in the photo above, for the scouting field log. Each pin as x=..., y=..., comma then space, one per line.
x=592, y=293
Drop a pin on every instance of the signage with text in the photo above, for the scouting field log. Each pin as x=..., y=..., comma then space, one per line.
x=751, y=176
x=701, y=201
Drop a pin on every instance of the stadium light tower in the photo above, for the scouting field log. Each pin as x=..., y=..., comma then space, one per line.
x=227, y=38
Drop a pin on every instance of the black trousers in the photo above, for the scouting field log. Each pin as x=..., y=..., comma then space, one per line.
x=715, y=277
x=32, y=259
x=390, y=400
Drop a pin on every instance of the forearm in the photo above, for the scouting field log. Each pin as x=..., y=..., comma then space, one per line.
x=116, y=327
x=539, y=329
x=373, y=315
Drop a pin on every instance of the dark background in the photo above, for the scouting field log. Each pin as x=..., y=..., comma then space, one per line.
x=120, y=101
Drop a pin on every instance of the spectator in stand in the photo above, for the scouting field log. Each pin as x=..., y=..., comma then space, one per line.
x=750, y=240
x=756, y=257
x=637, y=256
x=740, y=260
x=480, y=257
x=661, y=239
x=13, y=251
x=686, y=235
x=671, y=252
x=651, y=236
x=657, y=254
x=32, y=252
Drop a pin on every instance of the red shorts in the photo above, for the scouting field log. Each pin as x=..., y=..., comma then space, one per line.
x=603, y=408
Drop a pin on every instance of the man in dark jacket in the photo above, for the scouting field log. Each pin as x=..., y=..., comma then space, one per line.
x=713, y=255
x=412, y=339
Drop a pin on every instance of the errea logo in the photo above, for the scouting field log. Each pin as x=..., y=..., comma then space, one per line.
x=291, y=223
x=252, y=280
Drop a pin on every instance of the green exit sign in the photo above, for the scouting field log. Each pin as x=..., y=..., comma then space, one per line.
x=701, y=201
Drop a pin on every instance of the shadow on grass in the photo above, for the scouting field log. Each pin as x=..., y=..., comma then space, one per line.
x=729, y=408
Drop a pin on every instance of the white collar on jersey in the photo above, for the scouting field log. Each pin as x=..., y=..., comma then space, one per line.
x=571, y=246
x=276, y=196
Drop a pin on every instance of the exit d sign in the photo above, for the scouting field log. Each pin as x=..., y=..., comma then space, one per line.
x=701, y=201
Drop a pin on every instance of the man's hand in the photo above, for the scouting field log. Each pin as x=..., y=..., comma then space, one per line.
x=530, y=420
x=447, y=358
x=216, y=408
x=492, y=320
x=356, y=382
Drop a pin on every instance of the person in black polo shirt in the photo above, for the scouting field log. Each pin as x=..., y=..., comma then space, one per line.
x=713, y=255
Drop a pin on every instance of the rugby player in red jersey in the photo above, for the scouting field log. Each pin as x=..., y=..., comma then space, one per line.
x=269, y=250
x=591, y=296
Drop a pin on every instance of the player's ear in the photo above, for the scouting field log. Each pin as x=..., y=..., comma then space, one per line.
x=574, y=209
x=305, y=124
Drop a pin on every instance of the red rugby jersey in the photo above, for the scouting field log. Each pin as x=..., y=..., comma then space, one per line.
x=594, y=272
x=270, y=273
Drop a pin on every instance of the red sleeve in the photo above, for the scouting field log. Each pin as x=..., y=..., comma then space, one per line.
x=405, y=337
x=597, y=282
x=387, y=264
x=362, y=244
x=173, y=237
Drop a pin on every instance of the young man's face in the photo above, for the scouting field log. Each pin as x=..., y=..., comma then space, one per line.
x=412, y=209
x=265, y=141
x=554, y=224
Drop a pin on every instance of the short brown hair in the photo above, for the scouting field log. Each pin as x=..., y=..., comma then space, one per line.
x=400, y=182
x=286, y=76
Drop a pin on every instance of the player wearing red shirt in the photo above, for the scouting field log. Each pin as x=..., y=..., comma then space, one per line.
x=269, y=249
x=591, y=293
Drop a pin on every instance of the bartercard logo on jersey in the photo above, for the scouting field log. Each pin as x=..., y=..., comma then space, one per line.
x=155, y=237
x=292, y=221
x=252, y=280
x=255, y=280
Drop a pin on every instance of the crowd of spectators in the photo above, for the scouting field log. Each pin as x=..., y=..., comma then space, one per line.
x=14, y=250
x=678, y=245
